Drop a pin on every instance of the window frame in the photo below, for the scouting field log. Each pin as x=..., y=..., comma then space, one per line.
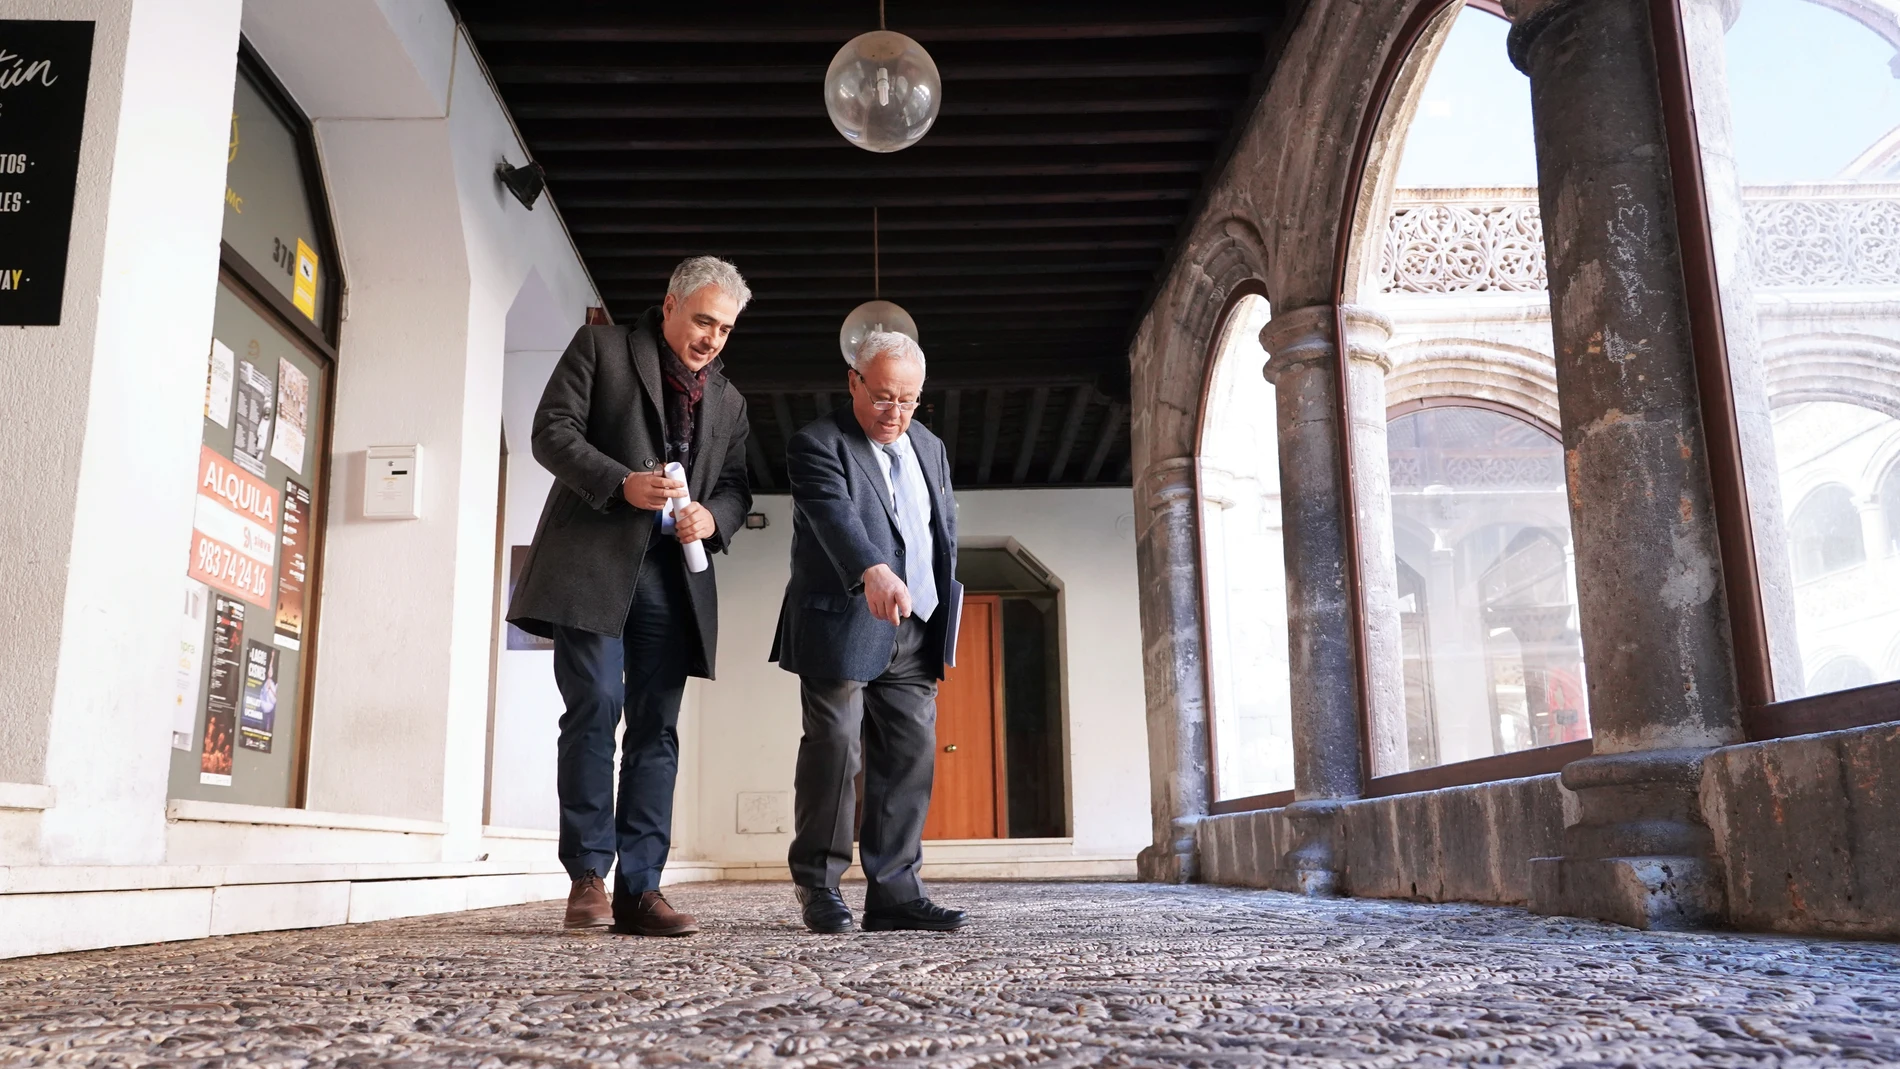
x=317, y=339
x=1763, y=718
x=1210, y=366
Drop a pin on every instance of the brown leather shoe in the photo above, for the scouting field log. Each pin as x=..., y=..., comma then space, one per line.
x=588, y=905
x=651, y=914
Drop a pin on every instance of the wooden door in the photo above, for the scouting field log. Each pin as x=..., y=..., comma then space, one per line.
x=968, y=800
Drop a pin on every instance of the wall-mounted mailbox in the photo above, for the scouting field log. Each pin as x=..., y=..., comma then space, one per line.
x=392, y=484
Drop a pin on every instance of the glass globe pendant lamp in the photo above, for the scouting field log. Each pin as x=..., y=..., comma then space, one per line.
x=875, y=314
x=882, y=90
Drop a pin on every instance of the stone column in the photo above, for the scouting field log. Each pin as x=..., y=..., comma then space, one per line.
x=1654, y=620
x=1174, y=662
x=1327, y=762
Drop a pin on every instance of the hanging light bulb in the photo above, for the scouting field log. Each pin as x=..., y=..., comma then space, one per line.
x=882, y=90
x=873, y=316
x=876, y=314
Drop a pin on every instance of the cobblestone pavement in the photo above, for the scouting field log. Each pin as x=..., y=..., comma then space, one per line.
x=1052, y=975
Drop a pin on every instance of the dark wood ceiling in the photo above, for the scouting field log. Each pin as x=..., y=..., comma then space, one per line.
x=1025, y=233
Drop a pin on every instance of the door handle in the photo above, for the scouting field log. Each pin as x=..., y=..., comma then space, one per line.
x=952, y=748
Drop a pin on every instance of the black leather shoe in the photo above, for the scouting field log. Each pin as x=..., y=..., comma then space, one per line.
x=824, y=910
x=921, y=915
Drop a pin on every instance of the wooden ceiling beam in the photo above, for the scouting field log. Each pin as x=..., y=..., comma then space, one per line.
x=715, y=200
x=869, y=171
x=727, y=221
x=912, y=290
x=1105, y=440
x=797, y=25
x=761, y=467
x=1071, y=428
x=1032, y=430
x=661, y=257
x=992, y=429
x=689, y=72
x=952, y=413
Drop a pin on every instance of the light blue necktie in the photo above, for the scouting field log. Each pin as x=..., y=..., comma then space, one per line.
x=911, y=500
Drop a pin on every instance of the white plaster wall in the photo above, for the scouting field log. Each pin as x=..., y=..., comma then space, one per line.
x=100, y=454
x=748, y=719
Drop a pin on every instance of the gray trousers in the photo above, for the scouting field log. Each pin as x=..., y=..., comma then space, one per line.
x=897, y=715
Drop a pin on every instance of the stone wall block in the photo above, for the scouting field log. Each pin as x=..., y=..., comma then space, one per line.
x=1809, y=828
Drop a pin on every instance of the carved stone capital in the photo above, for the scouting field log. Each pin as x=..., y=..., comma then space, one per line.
x=1304, y=337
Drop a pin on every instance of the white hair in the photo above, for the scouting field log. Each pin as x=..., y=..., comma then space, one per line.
x=699, y=271
x=887, y=343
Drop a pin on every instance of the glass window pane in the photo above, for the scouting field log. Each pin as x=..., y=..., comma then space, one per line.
x=1487, y=590
x=250, y=578
x=1797, y=107
x=1245, y=567
x=1491, y=658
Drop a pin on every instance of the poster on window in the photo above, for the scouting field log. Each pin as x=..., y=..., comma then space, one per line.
x=259, y=719
x=191, y=664
x=222, y=695
x=293, y=566
x=233, y=531
x=251, y=437
x=293, y=415
x=219, y=376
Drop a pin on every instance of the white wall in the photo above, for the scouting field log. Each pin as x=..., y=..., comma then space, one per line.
x=98, y=430
x=748, y=719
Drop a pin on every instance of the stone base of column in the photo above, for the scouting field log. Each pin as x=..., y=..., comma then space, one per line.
x=1638, y=852
x=1312, y=866
x=1174, y=861
x=1651, y=893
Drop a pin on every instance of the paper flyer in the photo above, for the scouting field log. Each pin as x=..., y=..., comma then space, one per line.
x=293, y=567
x=260, y=697
x=293, y=415
x=251, y=437
x=226, y=689
x=191, y=664
x=218, y=375
x=233, y=531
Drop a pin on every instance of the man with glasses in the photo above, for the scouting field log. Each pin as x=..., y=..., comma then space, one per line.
x=869, y=624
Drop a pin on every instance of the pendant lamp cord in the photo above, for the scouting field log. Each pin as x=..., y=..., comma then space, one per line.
x=880, y=15
x=877, y=271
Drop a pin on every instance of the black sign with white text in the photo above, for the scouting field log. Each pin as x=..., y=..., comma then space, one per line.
x=43, y=68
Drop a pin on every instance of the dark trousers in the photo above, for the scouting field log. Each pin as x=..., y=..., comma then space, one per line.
x=896, y=713
x=643, y=672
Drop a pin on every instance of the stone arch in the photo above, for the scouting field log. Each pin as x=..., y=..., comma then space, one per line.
x=1857, y=369
x=1224, y=261
x=1450, y=369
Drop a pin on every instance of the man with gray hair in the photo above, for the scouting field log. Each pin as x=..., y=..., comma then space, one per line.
x=607, y=576
x=869, y=624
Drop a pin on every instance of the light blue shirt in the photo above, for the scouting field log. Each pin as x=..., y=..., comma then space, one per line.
x=920, y=545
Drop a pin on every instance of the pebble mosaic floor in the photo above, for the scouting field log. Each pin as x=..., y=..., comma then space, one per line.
x=1051, y=975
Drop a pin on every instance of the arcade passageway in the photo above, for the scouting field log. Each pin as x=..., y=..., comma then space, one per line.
x=1054, y=975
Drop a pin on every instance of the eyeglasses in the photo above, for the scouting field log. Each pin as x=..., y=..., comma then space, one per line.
x=886, y=406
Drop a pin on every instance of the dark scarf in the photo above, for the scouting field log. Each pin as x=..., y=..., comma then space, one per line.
x=684, y=388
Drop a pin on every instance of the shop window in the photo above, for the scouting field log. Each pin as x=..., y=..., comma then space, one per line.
x=248, y=631
x=1801, y=217
x=1825, y=533
x=1488, y=607
x=1244, y=564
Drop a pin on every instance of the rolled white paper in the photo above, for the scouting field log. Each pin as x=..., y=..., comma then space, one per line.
x=695, y=551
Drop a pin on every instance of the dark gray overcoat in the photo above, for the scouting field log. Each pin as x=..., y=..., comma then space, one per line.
x=842, y=524
x=601, y=417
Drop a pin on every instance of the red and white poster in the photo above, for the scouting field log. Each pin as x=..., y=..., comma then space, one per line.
x=234, y=531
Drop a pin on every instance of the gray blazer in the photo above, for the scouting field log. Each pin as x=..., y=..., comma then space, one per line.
x=601, y=417
x=842, y=524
